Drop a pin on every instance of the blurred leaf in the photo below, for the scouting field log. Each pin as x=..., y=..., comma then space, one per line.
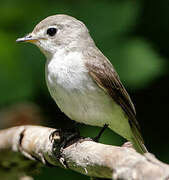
x=114, y=17
x=16, y=84
x=141, y=64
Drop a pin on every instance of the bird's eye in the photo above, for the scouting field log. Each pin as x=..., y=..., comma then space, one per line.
x=51, y=31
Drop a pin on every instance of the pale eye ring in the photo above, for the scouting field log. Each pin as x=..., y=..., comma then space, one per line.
x=51, y=31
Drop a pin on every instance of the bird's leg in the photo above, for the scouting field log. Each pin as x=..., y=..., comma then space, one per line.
x=65, y=137
x=62, y=139
x=96, y=139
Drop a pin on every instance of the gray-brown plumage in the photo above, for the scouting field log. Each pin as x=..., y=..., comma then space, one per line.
x=81, y=79
x=104, y=74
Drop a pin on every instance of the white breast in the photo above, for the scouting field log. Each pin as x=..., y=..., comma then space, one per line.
x=70, y=85
x=66, y=70
x=76, y=93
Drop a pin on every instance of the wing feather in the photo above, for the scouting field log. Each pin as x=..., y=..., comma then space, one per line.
x=105, y=76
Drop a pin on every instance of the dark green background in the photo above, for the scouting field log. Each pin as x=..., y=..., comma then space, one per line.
x=134, y=35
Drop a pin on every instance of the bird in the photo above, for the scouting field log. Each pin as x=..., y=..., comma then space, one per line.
x=81, y=80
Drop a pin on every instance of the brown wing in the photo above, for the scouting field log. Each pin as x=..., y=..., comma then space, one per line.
x=106, y=77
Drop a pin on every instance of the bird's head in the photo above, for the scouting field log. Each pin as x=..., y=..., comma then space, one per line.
x=58, y=31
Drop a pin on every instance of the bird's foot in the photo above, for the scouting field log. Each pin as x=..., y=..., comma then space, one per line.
x=62, y=139
x=65, y=138
x=96, y=139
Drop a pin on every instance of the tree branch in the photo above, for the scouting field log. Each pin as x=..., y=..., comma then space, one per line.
x=81, y=155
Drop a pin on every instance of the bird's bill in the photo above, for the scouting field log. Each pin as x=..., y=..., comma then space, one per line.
x=28, y=38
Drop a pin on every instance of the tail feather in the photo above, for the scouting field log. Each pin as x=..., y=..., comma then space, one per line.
x=137, y=140
x=138, y=145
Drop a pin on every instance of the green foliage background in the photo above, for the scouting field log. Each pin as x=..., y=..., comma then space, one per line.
x=132, y=34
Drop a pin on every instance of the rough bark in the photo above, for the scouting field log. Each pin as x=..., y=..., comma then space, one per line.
x=25, y=149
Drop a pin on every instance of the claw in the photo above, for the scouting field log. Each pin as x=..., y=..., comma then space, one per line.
x=55, y=136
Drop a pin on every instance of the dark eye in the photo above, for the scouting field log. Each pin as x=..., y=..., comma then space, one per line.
x=51, y=31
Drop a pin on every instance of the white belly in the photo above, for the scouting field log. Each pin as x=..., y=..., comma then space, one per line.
x=79, y=97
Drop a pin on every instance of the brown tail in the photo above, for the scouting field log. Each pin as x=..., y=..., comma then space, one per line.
x=137, y=140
